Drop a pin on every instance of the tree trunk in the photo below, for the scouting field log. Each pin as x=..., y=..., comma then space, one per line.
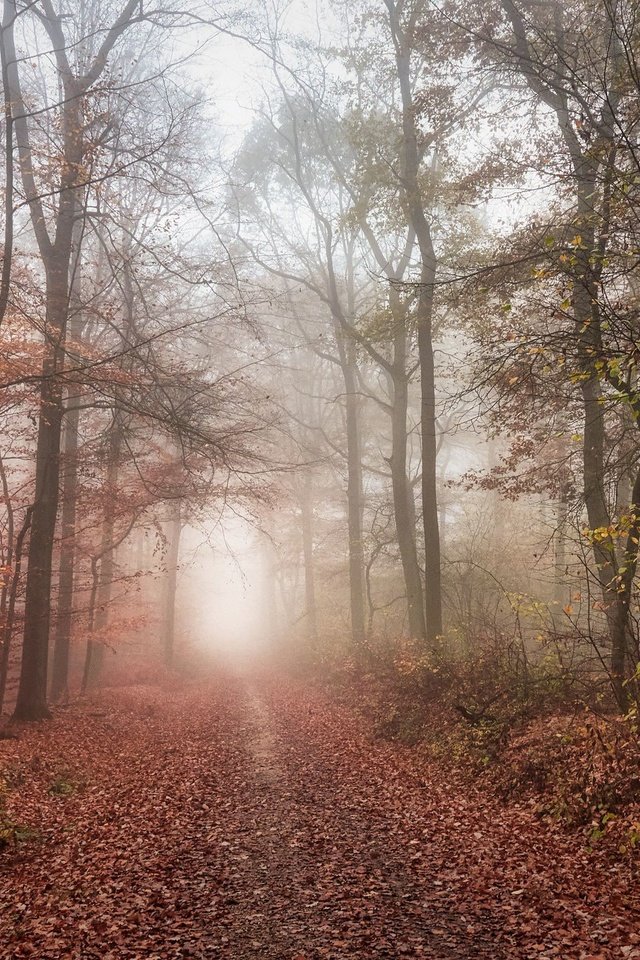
x=270, y=566
x=32, y=691
x=95, y=650
x=173, y=553
x=64, y=618
x=306, y=508
x=588, y=333
x=91, y=645
x=623, y=649
x=560, y=592
x=64, y=613
x=433, y=585
x=8, y=17
x=346, y=351
x=9, y=618
x=56, y=258
x=428, y=428
x=401, y=487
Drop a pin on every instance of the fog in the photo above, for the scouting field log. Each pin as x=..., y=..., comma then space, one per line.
x=220, y=595
x=319, y=330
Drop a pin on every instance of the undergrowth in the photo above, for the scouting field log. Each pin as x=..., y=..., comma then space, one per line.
x=533, y=731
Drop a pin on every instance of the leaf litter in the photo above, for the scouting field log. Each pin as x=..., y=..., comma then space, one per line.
x=258, y=819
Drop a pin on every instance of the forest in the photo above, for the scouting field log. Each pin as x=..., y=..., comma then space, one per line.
x=320, y=479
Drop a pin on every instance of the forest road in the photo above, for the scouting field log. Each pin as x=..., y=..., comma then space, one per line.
x=257, y=819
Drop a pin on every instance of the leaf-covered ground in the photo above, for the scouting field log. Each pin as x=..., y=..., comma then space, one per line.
x=249, y=819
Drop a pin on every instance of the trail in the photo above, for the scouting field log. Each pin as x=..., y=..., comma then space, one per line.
x=254, y=819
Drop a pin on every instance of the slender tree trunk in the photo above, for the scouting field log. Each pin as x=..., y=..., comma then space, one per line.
x=55, y=250
x=171, y=584
x=560, y=543
x=306, y=508
x=32, y=691
x=432, y=561
x=7, y=560
x=91, y=645
x=8, y=18
x=624, y=647
x=401, y=487
x=587, y=319
x=428, y=427
x=269, y=590
x=56, y=257
x=71, y=423
x=64, y=618
x=140, y=561
x=95, y=650
x=346, y=349
x=9, y=619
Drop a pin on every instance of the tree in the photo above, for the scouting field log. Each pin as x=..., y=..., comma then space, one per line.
x=576, y=64
x=53, y=230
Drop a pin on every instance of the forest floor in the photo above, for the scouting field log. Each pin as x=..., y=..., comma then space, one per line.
x=255, y=818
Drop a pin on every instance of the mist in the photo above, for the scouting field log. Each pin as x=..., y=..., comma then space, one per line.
x=319, y=479
x=221, y=598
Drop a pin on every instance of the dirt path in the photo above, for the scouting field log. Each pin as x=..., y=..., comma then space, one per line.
x=255, y=820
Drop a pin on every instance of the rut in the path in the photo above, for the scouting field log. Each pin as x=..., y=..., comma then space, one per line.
x=317, y=871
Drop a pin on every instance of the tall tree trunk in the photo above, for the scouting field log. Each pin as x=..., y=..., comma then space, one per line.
x=588, y=333
x=56, y=257
x=91, y=616
x=8, y=17
x=71, y=423
x=306, y=508
x=32, y=692
x=10, y=611
x=428, y=427
x=7, y=559
x=400, y=484
x=95, y=650
x=624, y=646
x=560, y=591
x=64, y=617
x=171, y=583
x=346, y=352
x=432, y=561
x=270, y=565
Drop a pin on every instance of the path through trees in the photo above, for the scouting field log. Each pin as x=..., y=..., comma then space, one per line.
x=248, y=819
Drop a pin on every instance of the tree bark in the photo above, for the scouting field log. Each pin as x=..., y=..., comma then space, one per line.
x=171, y=584
x=91, y=645
x=95, y=651
x=428, y=427
x=32, y=692
x=8, y=19
x=66, y=575
x=56, y=257
x=401, y=487
x=560, y=591
x=346, y=354
x=64, y=617
x=9, y=618
x=306, y=509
